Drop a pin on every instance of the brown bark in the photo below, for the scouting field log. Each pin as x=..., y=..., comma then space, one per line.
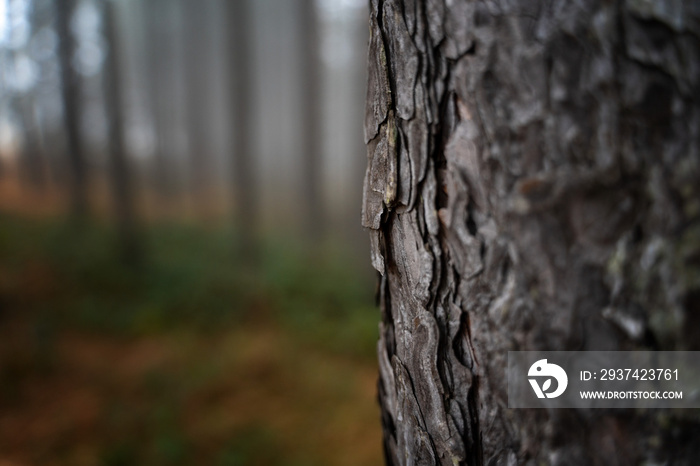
x=531, y=185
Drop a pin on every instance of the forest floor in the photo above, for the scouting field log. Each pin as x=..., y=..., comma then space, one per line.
x=187, y=358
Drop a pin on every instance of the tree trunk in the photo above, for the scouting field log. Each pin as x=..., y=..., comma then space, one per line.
x=32, y=162
x=159, y=27
x=240, y=46
x=197, y=71
x=121, y=180
x=531, y=164
x=70, y=93
x=311, y=120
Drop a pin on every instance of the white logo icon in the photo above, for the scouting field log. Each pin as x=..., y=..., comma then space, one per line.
x=542, y=369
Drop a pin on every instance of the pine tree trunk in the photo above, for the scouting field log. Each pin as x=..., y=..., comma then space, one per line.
x=531, y=185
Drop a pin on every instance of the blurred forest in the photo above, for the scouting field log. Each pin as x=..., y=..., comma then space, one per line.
x=182, y=269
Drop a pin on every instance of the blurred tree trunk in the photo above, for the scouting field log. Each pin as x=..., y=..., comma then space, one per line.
x=240, y=47
x=531, y=185
x=311, y=84
x=197, y=28
x=32, y=162
x=121, y=180
x=70, y=93
x=158, y=15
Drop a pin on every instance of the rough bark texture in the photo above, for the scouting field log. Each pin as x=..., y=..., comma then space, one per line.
x=532, y=184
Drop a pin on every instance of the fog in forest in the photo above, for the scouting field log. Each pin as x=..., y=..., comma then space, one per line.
x=177, y=70
x=183, y=274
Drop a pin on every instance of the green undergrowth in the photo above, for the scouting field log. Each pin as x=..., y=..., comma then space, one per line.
x=189, y=276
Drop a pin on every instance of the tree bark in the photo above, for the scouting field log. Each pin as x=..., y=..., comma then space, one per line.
x=531, y=185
